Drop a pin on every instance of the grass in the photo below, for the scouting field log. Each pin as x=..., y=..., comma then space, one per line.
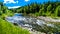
x=8, y=28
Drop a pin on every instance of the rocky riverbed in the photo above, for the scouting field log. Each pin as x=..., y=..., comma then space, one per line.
x=35, y=25
x=48, y=19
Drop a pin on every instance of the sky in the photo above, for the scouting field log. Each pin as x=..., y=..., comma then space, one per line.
x=19, y=3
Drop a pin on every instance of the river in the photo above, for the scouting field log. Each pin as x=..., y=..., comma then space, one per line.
x=31, y=23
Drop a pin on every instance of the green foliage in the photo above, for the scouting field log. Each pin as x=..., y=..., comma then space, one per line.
x=57, y=10
x=36, y=14
x=46, y=9
x=8, y=28
x=4, y=11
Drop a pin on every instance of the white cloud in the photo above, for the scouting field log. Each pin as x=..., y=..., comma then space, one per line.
x=14, y=7
x=27, y=0
x=10, y=1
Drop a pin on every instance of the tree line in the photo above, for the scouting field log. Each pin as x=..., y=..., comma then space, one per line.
x=35, y=9
x=38, y=9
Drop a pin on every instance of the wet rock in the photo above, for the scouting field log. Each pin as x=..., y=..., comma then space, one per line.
x=15, y=24
x=40, y=22
x=51, y=25
x=57, y=33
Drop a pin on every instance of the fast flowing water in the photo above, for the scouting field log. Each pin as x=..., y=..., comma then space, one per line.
x=29, y=22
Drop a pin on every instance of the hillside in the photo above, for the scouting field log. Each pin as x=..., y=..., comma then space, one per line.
x=51, y=9
x=8, y=28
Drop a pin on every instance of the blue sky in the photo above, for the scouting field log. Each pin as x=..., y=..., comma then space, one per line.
x=19, y=3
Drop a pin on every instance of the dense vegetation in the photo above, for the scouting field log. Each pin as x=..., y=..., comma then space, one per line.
x=37, y=9
x=4, y=11
x=51, y=9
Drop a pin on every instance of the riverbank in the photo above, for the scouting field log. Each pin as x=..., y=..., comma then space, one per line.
x=49, y=19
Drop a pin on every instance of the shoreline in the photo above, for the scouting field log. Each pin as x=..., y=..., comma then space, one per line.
x=48, y=19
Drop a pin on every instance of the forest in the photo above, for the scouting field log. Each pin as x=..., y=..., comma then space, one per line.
x=50, y=9
x=37, y=9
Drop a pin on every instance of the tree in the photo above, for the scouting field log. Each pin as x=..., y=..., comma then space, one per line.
x=56, y=11
x=48, y=13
